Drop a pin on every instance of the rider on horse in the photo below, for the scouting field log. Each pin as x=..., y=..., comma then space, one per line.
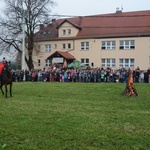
x=5, y=77
x=2, y=65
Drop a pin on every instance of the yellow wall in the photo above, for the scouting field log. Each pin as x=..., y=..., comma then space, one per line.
x=141, y=53
x=66, y=26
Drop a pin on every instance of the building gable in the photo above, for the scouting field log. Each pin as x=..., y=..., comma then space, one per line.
x=65, y=55
x=67, y=29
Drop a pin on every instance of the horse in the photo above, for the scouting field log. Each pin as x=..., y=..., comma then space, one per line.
x=6, y=79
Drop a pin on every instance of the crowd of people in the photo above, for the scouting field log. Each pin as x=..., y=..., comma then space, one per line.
x=55, y=74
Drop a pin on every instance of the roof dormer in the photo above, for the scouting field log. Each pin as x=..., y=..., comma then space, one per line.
x=68, y=29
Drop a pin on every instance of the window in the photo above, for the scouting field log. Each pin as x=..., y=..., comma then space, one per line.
x=39, y=62
x=55, y=46
x=68, y=31
x=63, y=32
x=63, y=46
x=108, y=45
x=85, y=61
x=109, y=62
x=38, y=47
x=69, y=46
x=49, y=32
x=84, y=45
x=47, y=62
x=127, y=44
x=47, y=47
x=126, y=63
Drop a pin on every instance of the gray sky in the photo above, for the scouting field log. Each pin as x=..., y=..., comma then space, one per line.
x=92, y=7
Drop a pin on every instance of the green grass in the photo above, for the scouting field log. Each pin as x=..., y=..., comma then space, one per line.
x=75, y=116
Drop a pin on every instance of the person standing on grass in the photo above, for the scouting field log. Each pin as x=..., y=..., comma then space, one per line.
x=65, y=76
x=142, y=77
x=33, y=76
x=137, y=74
x=102, y=76
x=149, y=78
x=39, y=76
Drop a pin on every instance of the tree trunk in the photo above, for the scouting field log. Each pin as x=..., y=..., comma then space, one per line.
x=30, y=63
x=30, y=52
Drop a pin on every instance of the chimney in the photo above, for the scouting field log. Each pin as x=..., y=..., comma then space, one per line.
x=41, y=27
x=118, y=11
x=53, y=20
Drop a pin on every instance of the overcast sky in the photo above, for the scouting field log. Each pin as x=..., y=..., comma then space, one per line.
x=92, y=7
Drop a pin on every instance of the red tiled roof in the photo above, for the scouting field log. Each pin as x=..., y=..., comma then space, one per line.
x=100, y=26
x=73, y=23
x=63, y=54
x=117, y=24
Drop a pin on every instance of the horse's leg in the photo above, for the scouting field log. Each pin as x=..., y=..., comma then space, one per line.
x=1, y=87
x=6, y=90
x=11, y=89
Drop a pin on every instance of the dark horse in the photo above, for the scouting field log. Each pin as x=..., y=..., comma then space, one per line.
x=6, y=79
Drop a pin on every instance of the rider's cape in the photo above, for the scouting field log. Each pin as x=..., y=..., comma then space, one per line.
x=1, y=67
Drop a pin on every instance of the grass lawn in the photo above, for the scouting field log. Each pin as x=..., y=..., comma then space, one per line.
x=75, y=116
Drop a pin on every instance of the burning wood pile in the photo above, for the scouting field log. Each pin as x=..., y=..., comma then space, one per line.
x=130, y=89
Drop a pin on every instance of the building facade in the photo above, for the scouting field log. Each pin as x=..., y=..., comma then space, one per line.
x=112, y=40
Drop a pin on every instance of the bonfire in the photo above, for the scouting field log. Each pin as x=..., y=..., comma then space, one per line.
x=130, y=89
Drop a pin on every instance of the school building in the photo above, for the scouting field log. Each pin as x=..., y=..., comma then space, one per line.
x=120, y=39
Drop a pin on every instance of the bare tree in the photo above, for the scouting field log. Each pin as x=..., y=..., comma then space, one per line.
x=33, y=12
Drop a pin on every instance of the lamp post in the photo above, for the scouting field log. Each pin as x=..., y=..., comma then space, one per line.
x=23, y=45
x=23, y=14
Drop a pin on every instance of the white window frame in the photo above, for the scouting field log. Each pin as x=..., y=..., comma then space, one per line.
x=47, y=47
x=38, y=47
x=39, y=62
x=85, y=45
x=63, y=46
x=126, y=62
x=108, y=45
x=85, y=61
x=47, y=62
x=63, y=32
x=55, y=46
x=127, y=44
x=69, y=45
x=108, y=62
x=69, y=31
x=44, y=33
